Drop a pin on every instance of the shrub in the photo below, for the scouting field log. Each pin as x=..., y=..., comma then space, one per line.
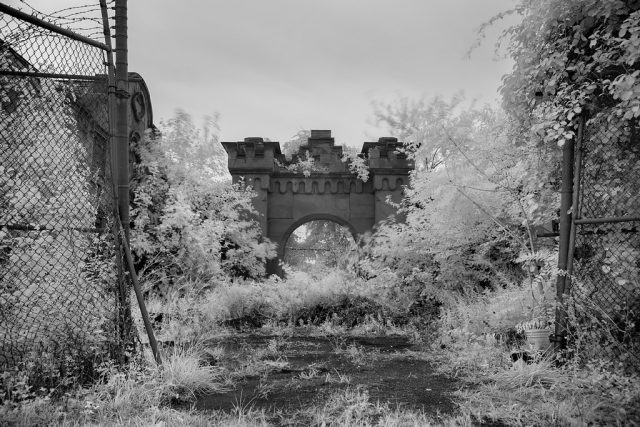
x=190, y=223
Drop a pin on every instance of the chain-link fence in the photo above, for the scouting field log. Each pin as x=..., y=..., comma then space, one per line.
x=63, y=303
x=606, y=274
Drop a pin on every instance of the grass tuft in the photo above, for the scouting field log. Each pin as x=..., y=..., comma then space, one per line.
x=522, y=374
x=184, y=375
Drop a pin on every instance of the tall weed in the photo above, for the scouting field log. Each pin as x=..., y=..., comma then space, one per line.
x=495, y=312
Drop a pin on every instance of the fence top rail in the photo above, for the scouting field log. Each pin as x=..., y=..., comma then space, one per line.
x=51, y=27
x=99, y=77
x=607, y=219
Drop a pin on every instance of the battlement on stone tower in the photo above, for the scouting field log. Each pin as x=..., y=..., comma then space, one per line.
x=321, y=147
x=256, y=156
x=253, y=154
x=386, y=154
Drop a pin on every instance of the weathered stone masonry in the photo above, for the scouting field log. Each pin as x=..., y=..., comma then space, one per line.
x=286, y=200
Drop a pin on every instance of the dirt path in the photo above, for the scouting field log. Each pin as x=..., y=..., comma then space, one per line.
x=292, y=373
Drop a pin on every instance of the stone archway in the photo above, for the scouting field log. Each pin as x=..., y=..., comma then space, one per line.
x=330, y=191
x=313, y=217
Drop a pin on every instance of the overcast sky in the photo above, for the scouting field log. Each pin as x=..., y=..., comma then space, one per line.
x=273, y=67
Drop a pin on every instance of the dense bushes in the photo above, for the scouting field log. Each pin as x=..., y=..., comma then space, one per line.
x=190, y=224
x=335, y=303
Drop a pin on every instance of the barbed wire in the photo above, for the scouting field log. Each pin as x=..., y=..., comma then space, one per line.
x=83, y=19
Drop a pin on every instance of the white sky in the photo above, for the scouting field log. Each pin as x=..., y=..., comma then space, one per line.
x=273, y=67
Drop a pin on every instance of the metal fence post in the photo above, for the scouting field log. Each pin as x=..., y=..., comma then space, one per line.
x=121, y=138
x=575, y=206
x=566, y=197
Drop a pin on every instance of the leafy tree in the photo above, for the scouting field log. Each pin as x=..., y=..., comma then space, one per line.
x=484, y=178
x=190, y=222
x=573, y=56
x=578, y=59
x=468, y=198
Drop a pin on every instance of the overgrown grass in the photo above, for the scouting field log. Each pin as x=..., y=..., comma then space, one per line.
x=353, y=407
x=333, y=304
x=543, y=392
x=473, y=343
x=140, y=395
x=540, y=394
x=144, y=393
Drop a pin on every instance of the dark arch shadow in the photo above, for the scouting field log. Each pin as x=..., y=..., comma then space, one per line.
x=314, y=217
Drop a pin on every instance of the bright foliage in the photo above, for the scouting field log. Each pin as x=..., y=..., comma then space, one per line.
x=571, y=57
x=190, y=222
x=468, y=207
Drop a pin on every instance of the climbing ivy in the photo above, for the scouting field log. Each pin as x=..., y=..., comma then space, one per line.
x=572, y=56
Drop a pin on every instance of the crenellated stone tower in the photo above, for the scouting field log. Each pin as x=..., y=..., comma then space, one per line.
x=287, y=199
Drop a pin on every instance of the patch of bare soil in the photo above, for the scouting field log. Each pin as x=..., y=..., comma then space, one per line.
x=286, y=374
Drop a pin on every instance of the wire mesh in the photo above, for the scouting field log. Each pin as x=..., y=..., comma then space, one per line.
x=63, y=304
x=606, y=289
x=45, y=51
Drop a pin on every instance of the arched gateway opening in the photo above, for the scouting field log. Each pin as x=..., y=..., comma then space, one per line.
x=287, y=199
x=317, y=244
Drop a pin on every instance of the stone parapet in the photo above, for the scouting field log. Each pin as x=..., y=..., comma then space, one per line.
x=255, y=155
x=319, y=184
